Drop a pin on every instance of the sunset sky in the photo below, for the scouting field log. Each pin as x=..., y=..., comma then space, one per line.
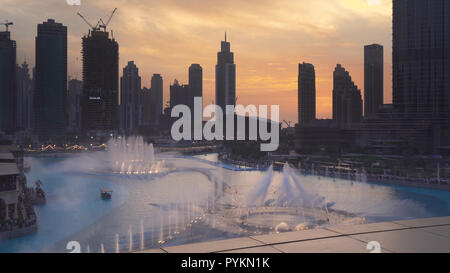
x=269, y=39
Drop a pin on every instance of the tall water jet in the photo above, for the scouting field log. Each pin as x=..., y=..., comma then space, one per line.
x=130, y=242
x=258, y=197
x=176, y=219
x=169, y=234
x=161, y=230
x=117, y=247
x=132, y=156
x=142, y=235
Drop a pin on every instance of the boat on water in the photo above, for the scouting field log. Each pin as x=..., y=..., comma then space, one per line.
x=106, y=194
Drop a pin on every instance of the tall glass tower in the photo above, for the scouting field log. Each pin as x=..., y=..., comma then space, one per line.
x=306, y=93
x=225, y=76
x=421, y=56
x=101, y=83
x=130, y=88
x=347, y=102
x=7, y=82
x=373, y=79
x=51, y=79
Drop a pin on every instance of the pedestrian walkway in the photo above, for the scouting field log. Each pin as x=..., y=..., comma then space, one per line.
x=430, y=235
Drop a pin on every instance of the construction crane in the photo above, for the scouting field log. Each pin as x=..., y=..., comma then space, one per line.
x=100, y=24
x=7, y=24
x=288, y=123
x=104, y=25
x=96, y=28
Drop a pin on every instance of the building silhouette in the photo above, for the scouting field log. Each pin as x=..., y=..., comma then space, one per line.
x=74, y=110
x=8, y=95
x=130, y=88
x=157, y=90
x=306, y=93
x=418, y=122
x=195, y=83
x=421, y=59
x=100, y=83
x=152, y=104
x=51, y=79
x=196, y=80
x=25, y=95
x=373, y=78
x=347, y=102
x=225, y=76
x=179, y=94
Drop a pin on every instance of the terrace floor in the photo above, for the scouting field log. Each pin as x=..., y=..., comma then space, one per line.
x=430, y=235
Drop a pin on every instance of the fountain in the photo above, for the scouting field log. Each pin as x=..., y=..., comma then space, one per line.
x=142, y=244
x=117, y=243
x=133, y=156
x=130, y=239
x=279, y=202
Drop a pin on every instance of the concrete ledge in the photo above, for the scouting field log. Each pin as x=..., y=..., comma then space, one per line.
x=425, y=222
x=288, y=237
x=411, y=236
x=217, y=246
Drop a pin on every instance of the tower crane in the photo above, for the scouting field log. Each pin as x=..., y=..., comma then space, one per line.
x=100, y=24
x=104, y=25
x=7, y=24
x=288, y=123
x=89, y=24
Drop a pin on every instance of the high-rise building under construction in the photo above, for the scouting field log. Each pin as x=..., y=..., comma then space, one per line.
x=100, y=82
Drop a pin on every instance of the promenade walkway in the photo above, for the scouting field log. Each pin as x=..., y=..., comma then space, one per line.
x=430, y=235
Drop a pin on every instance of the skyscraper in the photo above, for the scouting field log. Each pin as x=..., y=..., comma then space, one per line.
x=25, y=87
x=225, y=76
x=179, y=94
x=196, y=80
x=347, y=102
x=421, y=59
x=373, y=79
x=306, y=93
x=152, y=103
x=130, y=87
x=157, y=98
x=51, y=79
x=7, y=82
x=74, y=110
x=195, y=84
x=100, y=82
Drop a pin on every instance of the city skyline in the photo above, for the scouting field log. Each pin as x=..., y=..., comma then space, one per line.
x=266, y=62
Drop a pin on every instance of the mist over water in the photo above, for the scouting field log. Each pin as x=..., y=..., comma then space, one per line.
x=170, y=199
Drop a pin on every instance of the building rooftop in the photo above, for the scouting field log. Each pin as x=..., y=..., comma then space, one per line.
x=9, y=169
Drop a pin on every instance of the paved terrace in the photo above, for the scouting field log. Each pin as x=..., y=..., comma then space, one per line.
x=416, y=236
